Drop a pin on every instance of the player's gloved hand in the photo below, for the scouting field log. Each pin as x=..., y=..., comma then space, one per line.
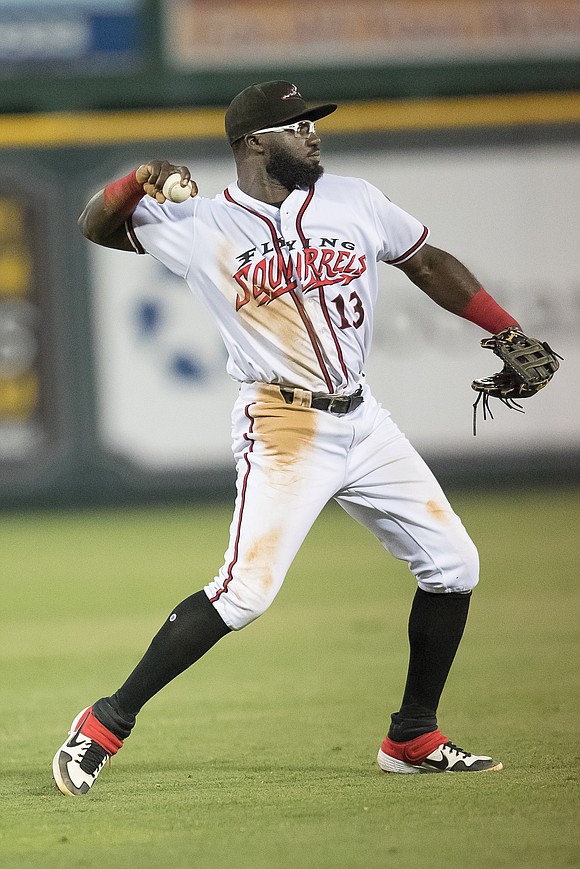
x=529, y=364
x=152, y=176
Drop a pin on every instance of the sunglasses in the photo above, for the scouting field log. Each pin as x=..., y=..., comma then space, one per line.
x=301, y=129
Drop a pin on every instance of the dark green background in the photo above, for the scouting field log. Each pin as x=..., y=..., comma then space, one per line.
x=156, y=84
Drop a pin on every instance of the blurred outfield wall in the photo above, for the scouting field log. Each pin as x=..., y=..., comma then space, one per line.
x=112, y=385
x=60, y=55
x=465, y=112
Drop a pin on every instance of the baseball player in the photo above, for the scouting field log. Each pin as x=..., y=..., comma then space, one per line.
x=286, y=258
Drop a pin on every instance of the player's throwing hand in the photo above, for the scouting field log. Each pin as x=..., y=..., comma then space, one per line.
x=152, y=176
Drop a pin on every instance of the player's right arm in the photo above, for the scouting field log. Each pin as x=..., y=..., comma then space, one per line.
x=104, y=216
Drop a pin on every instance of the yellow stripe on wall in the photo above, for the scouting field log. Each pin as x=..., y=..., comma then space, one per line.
x=77, y=129
x=485, y=111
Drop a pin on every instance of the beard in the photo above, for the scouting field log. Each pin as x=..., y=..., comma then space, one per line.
x=290, y=171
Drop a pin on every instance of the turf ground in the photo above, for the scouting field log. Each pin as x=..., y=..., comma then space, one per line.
x=263, y=755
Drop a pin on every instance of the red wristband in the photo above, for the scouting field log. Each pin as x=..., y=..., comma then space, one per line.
x=122, y=196
x=485, y=312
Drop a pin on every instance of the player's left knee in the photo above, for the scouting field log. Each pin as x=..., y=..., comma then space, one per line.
x=457, y=571
x=464, y=575
x=239, y=603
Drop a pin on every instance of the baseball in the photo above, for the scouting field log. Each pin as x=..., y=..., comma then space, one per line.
x=173, y=190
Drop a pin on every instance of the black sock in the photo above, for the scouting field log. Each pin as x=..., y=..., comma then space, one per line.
x=107, y=711
x=436, y=625
x=191, y=630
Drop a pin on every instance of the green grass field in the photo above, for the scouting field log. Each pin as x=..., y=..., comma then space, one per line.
x=263, y=754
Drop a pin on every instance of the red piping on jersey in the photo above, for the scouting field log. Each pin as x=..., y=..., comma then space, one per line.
x=303, y=239
x=313, y=338
x=408, y=253
x=333, y=333
x=300, y=215
x=299, y=305
x=130, y=229
x=234, y=560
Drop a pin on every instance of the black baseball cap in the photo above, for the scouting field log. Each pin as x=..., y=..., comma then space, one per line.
x=269, y=104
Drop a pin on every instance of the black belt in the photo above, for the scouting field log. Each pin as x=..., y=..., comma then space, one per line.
x=330, y=403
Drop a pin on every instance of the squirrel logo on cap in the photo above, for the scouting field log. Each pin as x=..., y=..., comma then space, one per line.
x=293, y=92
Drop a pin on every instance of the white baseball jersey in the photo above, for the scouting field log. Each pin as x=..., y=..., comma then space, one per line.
x=292, y=289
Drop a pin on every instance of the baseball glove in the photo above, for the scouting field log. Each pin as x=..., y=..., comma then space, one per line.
x=528, y=365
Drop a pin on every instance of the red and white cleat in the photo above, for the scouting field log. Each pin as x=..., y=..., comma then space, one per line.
x=80, y=759
x=431, y=752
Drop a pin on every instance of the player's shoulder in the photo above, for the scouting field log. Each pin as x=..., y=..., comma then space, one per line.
x=356, y=191
x=346, y=186
x=328, y=182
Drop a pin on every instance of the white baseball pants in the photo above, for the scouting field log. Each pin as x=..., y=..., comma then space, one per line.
x=291, y=460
